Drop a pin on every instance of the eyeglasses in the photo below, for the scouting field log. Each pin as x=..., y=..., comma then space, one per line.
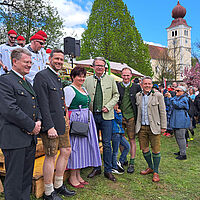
x=99, y=66
x=178, y=90
x=13, y=37
x=41, y=43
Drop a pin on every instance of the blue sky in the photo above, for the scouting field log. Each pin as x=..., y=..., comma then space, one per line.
x=152, y=17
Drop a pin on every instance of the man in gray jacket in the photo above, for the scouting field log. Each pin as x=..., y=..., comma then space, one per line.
x=151, y=122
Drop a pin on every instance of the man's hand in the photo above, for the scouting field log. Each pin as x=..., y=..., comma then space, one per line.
x=52, y=133
x=5, y=68
x=37, y=128
x=105, y=110
x=196, y=119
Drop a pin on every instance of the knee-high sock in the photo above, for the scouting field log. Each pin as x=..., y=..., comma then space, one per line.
x=147, y=157
x=156, y=161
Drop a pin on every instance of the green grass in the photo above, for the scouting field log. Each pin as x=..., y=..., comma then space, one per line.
x=180, y=180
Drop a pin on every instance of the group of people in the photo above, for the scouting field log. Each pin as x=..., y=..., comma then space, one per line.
x=35, y=47
x=34, y=102
x=182, y=107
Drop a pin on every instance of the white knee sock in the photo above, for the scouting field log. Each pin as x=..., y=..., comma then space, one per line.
x=48, y=189
x=58, y=182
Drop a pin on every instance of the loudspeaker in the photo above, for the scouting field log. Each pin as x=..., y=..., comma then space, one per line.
x=69, y=46
x=77, y=48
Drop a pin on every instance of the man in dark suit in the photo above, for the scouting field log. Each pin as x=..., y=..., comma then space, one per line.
x=19, y=125
x=55, y=132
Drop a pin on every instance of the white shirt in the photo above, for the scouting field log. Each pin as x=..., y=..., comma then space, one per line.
x=37, y=65
x=43, y=55
x=70, y=94
x=5, y=56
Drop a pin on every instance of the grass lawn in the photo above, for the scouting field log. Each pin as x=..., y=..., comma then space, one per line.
x=180, y=180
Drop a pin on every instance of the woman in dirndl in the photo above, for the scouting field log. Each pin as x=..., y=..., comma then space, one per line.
x=85, y=150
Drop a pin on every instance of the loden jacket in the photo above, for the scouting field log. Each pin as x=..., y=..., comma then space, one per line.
x=156, y=112
x=109, y=90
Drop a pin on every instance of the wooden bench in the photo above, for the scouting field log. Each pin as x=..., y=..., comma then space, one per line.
x=37, y=181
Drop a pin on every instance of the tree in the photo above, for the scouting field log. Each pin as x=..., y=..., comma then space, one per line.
x=174, y=54
x=27, y=17
x=192, y=76
x=164, y=69
x=111, y=33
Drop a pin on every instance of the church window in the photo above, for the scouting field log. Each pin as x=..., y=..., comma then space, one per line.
x=175, y=33
x=157, y=69
x=172, y=33
x=186, y=32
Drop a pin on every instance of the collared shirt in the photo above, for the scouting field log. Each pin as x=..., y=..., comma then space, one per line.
x=37, y=64
x=5, y=53
x=53, y=70
x=99, y=78
x=145, y=119
x=126, y=84
x=18, y=74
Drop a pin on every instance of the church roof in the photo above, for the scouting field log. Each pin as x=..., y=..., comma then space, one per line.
x=156, y=52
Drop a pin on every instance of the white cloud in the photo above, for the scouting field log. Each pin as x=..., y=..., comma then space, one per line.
x=155, y=44
x=73, y=32
x=73, y=14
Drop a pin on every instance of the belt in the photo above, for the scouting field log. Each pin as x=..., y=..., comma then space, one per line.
x=97, y=113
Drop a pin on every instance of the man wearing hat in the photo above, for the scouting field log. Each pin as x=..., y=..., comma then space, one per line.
x=42, y=51
x=21, y=41
x=37, y=42
x=5, y=52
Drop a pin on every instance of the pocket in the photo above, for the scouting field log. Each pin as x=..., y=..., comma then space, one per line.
x=52, y=88
x=154, y=103
x=21, y=92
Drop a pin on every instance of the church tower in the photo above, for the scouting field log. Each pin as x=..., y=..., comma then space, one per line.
x=179, y=41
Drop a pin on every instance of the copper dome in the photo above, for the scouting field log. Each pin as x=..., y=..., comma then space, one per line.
x=178, y=11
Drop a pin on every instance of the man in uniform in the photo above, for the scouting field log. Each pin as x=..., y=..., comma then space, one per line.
x=19, y=125
x=37, y=42
x=128, y=91
x=151, y=122
x=55, y=132
x=42, y=51
x=5, y=52
x=21, y=41
x=104, y=95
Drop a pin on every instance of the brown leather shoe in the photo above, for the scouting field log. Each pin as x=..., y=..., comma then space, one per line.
x=110, y=176
x=94, y=173
x=147, y=171
x=155, y=177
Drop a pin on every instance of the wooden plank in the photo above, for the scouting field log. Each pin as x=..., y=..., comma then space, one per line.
x=1, y=157
x=38, y=187
x=2, y=162
x=1, y=186
x=39, y=148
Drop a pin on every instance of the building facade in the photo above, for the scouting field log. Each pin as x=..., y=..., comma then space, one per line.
x=177, y=56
